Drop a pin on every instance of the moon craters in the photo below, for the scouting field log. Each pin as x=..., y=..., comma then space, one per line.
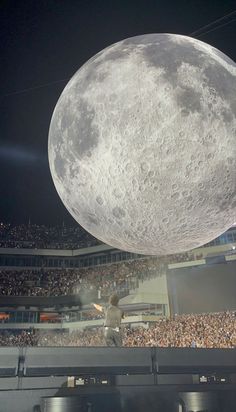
x=142, y=144
x=118, y=213
x=99, y=200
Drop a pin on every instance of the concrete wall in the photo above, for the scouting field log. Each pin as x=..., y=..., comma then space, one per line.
x=218, y=249
x=153, y=291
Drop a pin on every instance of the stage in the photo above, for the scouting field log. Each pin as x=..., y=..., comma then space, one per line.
x=69, y=378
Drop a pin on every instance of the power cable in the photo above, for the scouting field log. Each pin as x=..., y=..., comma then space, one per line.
x=215, y=28
x=196, y=33
x=214, y=22
x=34, y=87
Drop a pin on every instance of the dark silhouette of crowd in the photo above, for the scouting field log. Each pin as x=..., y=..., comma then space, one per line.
x=212, y=330
x=34, y=236
x=122, y=276
x=105, y=279
x=16, y=337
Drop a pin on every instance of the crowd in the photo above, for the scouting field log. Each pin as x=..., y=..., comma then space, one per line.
x=214, y=330
x=105, y=279
x=18, y=338
x=42, y=237
x=91, y=315
x=35, y=236
x=119, y=277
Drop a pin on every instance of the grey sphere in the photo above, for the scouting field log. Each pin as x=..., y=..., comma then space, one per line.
x=142, y=144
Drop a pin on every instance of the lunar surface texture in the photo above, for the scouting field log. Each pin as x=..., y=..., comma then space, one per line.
x=142, y=144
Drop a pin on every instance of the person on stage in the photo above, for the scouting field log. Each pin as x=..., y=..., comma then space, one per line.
x=112, y=323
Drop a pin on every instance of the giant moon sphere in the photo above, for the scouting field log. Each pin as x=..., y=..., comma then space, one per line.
x=142, y=144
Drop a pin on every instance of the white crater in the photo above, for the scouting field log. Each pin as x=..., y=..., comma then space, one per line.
x=142, y=144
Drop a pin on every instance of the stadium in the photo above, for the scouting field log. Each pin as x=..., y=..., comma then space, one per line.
x=118, y=206
x=49, y=279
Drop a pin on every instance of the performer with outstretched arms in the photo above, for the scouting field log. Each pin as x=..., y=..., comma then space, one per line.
x=112, y=324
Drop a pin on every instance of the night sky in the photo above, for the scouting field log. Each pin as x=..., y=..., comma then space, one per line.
x=43, y=43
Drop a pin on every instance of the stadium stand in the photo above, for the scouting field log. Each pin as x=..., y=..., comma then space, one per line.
x=212, y=330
